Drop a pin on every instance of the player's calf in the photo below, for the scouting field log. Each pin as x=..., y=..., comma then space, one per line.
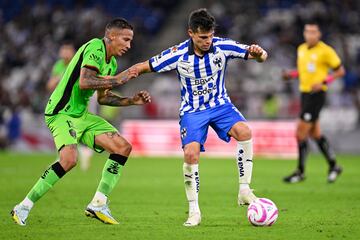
x=42, y=186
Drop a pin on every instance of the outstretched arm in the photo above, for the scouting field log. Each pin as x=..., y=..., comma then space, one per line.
x=142, y=67
x=90, y=80
x=258, y=53
x=290, y=74
x=106, y=97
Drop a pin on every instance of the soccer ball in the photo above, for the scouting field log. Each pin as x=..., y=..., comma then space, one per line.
x=262, y=212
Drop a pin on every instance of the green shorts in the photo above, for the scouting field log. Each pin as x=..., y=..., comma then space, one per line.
x=68, y=130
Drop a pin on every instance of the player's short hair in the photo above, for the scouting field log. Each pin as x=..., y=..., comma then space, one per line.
x=119, y=23
x=67, y=42
x=202, y=20
x=313, y=22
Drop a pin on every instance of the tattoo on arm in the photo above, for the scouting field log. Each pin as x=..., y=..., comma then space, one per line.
x=89, y=80
x=112, y=134
x=111, y=99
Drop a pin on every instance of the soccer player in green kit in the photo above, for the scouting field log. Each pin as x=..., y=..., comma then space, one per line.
x=92, y=69
x=66, y=53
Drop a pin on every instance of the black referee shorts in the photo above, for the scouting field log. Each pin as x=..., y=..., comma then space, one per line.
x=311, y=105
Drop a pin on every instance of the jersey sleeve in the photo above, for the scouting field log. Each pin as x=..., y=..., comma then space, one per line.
x=233, y=49
x=332, y=59
x=93, y=56
x=165, y=61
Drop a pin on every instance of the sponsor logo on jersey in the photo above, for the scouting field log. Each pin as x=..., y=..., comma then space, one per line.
x=204, y=91
x=174, y=49
x=202, y=81
x=95, y=58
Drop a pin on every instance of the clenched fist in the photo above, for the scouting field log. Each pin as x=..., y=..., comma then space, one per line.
x=142, y=97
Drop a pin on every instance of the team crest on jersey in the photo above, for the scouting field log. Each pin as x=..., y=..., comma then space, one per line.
x=72, y=133
x=218, y=62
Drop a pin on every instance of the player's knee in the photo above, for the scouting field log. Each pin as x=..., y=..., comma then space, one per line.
x=191, y=156
x=246, y=133
x=68, y=157
x=123, y=148
x=300, y=135
x=315, y=135
x=243, y=133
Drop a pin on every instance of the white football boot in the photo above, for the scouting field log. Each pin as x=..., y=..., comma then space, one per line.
x=193, y=220
x=101, y=213
x=246, y=196
x=19, y=214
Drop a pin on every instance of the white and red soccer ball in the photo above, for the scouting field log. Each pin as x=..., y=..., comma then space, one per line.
x=262, y=212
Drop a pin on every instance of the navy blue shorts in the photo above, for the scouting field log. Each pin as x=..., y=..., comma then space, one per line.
x=194, y=126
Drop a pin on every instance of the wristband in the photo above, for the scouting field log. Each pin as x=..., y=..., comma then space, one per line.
x=329, y=79
x=293, y=74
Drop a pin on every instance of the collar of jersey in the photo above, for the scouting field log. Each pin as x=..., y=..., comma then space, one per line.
x=192, y=52
x=107, y=62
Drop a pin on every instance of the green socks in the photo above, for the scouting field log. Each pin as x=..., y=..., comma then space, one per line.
x=111, y=173
x=46, y=182
x=110, y=176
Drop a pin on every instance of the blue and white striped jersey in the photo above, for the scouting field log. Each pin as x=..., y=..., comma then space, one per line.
x=202, y=79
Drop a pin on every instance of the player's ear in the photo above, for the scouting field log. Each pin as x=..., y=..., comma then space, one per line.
x=190, y=32
x=111, y=35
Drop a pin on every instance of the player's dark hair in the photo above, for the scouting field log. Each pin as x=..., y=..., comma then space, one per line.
x=313, y=22
x=67, y=42
x=202, y=20
x=119, y=23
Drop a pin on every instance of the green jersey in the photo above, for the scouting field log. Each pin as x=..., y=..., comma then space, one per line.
x=67, y=97
x=59, y=68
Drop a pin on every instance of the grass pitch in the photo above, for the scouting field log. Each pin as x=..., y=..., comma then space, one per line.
x=150, y=200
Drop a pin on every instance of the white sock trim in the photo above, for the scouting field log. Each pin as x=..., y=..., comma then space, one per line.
x=27, y=203
x=99, y=199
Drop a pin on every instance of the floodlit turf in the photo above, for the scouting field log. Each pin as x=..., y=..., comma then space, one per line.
x=150, y=201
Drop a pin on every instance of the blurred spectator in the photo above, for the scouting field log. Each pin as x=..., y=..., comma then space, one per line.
x=31, y=33
x=66, y=53
x=271, y=106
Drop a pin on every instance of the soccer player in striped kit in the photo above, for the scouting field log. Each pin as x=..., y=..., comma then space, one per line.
x=200, y=63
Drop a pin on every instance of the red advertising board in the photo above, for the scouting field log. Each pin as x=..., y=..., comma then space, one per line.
x=162, y=138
